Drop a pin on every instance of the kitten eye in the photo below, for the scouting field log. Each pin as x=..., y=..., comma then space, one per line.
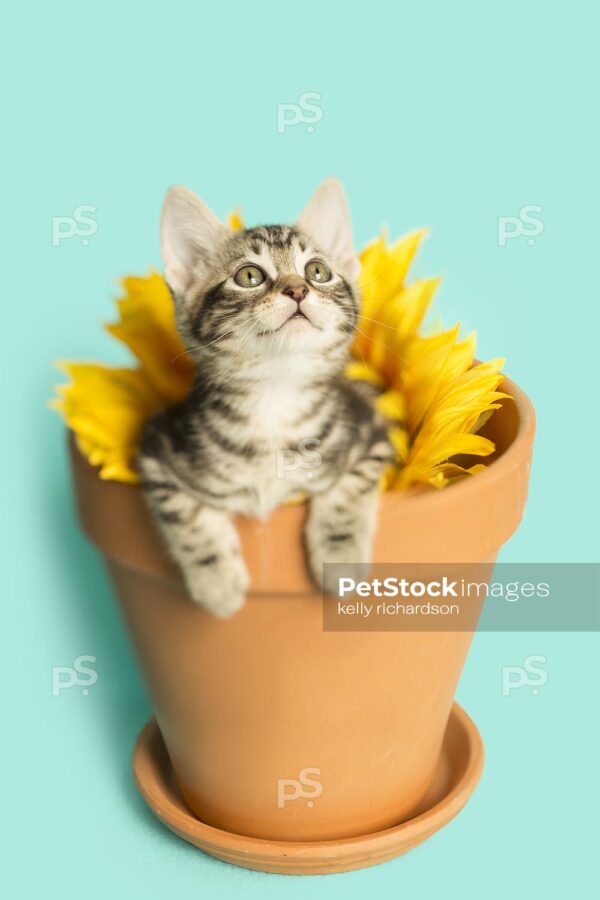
x=317, y=271
x=249, y=276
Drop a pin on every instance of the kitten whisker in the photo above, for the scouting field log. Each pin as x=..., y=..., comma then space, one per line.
x=369, y=338
x=216, y=340
x=377, y=322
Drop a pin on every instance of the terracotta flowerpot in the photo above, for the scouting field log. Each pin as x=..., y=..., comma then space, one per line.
x=246, y=703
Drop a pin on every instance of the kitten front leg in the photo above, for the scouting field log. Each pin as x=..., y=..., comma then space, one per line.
x=341, y=522
x=202, y=540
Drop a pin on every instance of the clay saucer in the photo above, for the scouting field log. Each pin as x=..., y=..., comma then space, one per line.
x=459, y=769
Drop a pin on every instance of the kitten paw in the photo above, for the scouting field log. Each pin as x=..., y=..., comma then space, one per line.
x=220, y=589
x=328, y=567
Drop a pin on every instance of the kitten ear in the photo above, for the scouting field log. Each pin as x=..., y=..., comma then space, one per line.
x=326, y=219
x=189, y=235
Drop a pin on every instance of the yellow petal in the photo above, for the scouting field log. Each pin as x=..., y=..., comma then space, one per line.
x=382, y=275
x=106, y=408
x=391, y=405
x=362, y=371
x=236, y=223
x=147, y=327
x=399, y=440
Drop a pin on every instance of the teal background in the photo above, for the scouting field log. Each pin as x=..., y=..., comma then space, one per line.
x=445, y=115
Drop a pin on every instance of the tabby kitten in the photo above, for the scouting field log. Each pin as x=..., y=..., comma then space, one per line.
x=268, y=314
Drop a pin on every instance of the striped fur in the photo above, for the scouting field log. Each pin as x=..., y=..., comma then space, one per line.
x=270, y=414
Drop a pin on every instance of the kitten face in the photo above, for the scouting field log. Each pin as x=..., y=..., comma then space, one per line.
x=272, y=289
x=266, y=291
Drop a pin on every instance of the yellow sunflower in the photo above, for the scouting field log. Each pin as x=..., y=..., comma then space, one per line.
x=433, y=396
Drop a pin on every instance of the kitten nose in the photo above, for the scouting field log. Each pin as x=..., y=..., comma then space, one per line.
x=295, y=287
